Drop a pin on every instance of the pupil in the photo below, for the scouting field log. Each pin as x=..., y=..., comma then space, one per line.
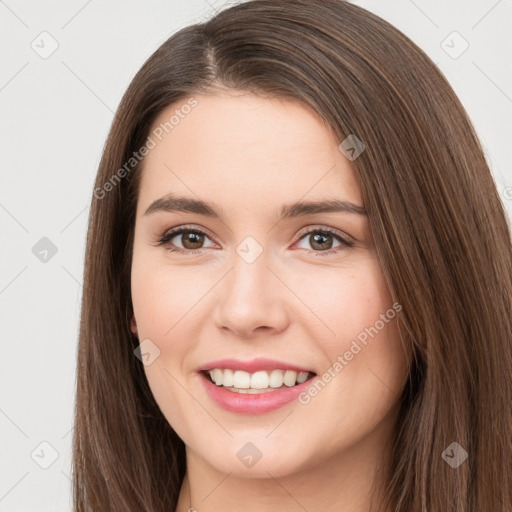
x=317, y=239
x=192, y=238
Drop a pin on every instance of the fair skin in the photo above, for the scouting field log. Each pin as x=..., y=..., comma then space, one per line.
x=248, y=156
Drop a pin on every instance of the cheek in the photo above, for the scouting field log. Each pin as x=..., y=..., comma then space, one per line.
x=346, y=300
x=361, y=338
x=163, y=302
x=364, y=366
x=163, y=296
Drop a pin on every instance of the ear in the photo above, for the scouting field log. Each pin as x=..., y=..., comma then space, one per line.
x=133, y=325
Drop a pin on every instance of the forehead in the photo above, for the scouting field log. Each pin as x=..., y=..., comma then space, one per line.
x=236, y=146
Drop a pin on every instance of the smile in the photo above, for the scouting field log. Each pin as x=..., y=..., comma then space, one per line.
x=262, y=381
x=253, y=387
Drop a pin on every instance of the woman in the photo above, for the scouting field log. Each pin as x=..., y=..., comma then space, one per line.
x=297, y=290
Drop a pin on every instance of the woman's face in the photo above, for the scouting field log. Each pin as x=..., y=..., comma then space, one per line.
x=252, y=278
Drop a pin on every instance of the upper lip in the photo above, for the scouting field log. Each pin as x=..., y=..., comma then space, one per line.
x=252, y=366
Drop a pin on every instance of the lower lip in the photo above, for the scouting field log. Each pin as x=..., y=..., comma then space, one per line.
x=246, y=403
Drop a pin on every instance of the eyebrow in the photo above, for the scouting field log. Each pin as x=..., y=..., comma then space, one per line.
x=172, y=203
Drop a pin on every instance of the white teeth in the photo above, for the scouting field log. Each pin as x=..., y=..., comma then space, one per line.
x=259, y=380
x=276, y=379
x=302, y=377
x=240, y=380
x=290, y=378
x=217, y=376
x=227, y=379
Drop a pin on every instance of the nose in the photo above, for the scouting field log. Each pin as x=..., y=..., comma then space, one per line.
x=252, y=299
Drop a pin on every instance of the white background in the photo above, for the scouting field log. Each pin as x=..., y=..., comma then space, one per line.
x=55, y=116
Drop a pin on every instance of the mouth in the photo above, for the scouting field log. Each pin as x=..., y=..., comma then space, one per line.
x=254, y=387
x=261, y=381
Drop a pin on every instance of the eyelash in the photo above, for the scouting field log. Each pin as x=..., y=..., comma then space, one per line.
x=166, y=237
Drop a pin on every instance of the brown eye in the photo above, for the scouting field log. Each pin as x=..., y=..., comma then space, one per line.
x=192, y=239
x=320, y=241
x=184, y=240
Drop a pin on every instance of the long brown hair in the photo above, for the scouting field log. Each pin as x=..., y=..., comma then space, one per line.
x=439, y=228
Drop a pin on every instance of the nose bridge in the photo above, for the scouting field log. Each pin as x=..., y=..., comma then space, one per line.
x=250, y=278
x=251, y=295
